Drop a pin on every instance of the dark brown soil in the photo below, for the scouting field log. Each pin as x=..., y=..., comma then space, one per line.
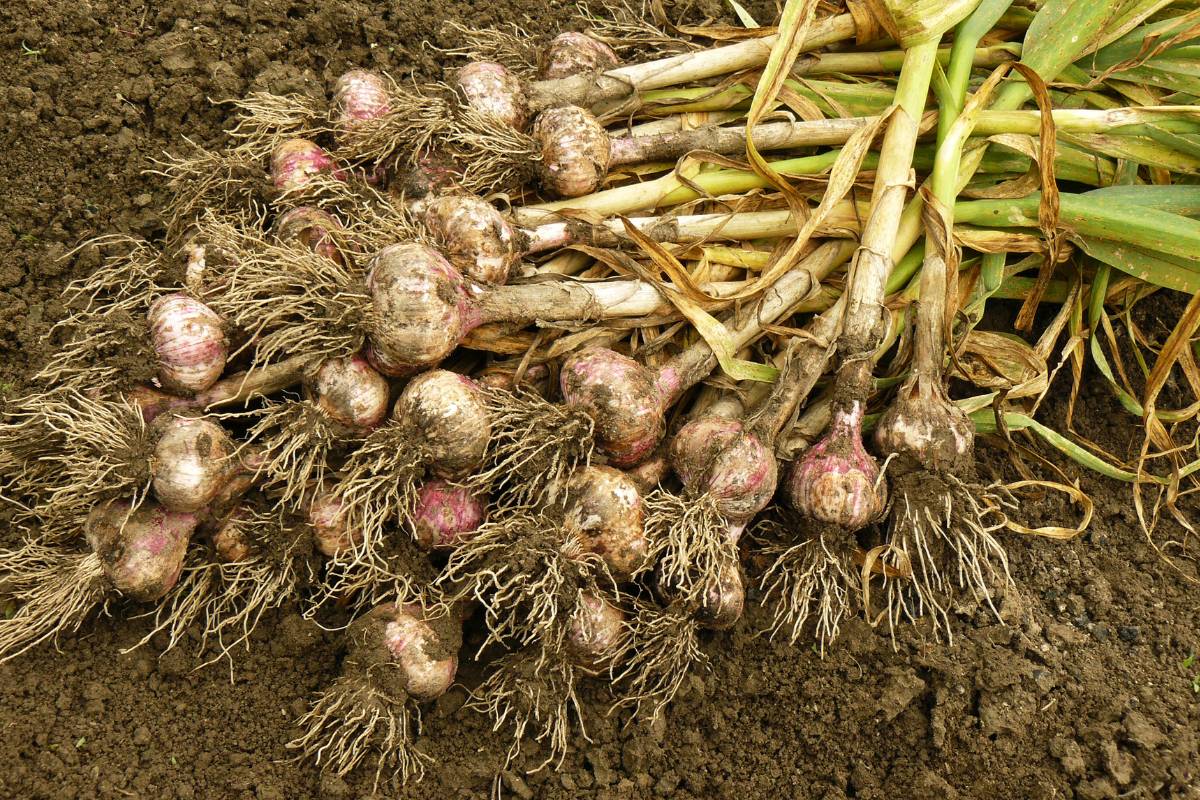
x=1085, y=694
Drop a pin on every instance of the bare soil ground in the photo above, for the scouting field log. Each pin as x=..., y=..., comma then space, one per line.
x=1084, y=692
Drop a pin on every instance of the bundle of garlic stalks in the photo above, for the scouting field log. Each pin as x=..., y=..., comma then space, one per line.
x=583, y=347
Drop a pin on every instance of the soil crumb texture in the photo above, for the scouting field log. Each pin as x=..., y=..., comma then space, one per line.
x=1087, y=686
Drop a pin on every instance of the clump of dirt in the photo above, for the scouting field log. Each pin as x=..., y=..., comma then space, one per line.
x=1088, y=690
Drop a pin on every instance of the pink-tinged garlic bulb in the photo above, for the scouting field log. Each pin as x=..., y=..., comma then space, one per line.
x=351, y=393
x=191, y=463
x=724, y=599
x=501, y=376
x=596, y=634
x=230, y=541
x=651, y=472
x=422, y=652
x=621, y=397
x=296, y=161
x=719, y=457
x=189, y=341
x=359, y=95
x=923, y=424
x=575, y=151
x=447, y=515
x=574, y=53
x=142, y=550
x=604, y=510
x=421, y=306
x=493, y=91
x=313, y=228
x=448, y=415
x=332, y=535
x=837, y=481
x=475, y=236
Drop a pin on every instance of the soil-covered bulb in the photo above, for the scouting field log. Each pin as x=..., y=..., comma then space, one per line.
x=475, y=236
x=719, y=457
x=604, y=510
x=573, y=53
x=191, y=463
x=575, y=149
x=621, y=396
x=493, y=91
x=141, y=550
x=837, y=481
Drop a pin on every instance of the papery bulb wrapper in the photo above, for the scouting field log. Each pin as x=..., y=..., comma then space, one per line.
x=837, y=481
x=352, y=393
x=421, y=307
x=595, y=633
x=296, y=161
x=448, y=414
x=313, y=228
x=475, y=237
x=719, y=457
x=359, y=95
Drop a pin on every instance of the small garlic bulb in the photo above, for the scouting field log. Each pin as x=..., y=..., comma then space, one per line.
x=595, y=634
x=448, y=415
x=573, y=53
x=331, y=534
x=352, y=393
x=446, y=515
x=475, y=237
x=311, y=227
x=359, y=95
x=189, y=341
x=191, y=463
x=575, y=151
x=296, y=161
x=493, y=91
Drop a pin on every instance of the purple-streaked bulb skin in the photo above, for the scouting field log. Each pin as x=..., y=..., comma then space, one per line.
x=446, y=515
x=475, y=237
x=604, y=510
x=426, y=665
x=229, y=540
x=351, y=393
x=313, y=228
x=331, y=533
x=493, y=91
x=296, y=161
x=924, y=425
x=142, y=551
x=718, y=456
x=359, y=95
x=837, y=480
x=191, y=463
x=621, y=397
x=421, y=306
x=574, y=53
x=449, y=415
x=576, y=151
x=724, y=599
x=595, y=634
x=189, y=341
